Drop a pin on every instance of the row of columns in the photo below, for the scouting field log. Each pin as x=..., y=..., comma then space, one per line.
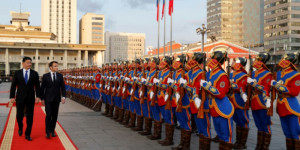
x=99, y=59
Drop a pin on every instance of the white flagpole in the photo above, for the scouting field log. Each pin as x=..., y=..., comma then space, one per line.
x=158, y=31
x=171, y=35
x=165, y=29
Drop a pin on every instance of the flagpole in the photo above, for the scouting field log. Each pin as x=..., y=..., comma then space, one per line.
x=158, y=31
x=171, y=36
x=164, y=30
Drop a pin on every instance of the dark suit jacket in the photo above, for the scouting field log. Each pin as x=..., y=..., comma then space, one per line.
x=52, y=91
x=25, y=92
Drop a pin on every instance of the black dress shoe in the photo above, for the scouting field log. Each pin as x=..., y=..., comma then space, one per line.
x=20, y=132
x=48, y=135
x=28, y=138
x=53, y=134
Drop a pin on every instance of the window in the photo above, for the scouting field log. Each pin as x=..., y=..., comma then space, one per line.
x=61, y=58
x=97, y=23
x=97, y=18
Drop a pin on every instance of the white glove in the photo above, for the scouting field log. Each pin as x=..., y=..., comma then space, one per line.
x=268, y=103
x=100, y=85
x=250, y=80
x=155, y=80
x=141, y=94
x=151, y=95
x=177, y=95
x=202, y=82
x=126, y=79
x=144, y=80
x=170, y=81
x=135, y=78
x=166, y=97
x=119, y=88
x=113, y=88
x=108, y=87
x=244, y=97
x=131, y=92
x=198, y=102
x=124, y=89
x=273, y=83
x=182, y=81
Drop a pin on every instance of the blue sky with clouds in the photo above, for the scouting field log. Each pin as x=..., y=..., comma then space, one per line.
x=136, y=16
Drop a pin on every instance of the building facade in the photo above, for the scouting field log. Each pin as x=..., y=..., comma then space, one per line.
x=59, y=17
x=124, y=46
x=91, y=29
x=282, y=25
x=236, y=21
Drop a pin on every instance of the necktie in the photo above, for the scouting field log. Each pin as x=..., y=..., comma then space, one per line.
x=26, y=76
x=54, y=78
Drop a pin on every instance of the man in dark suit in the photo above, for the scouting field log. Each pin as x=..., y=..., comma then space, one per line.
x=52, y=93
x=26, y=82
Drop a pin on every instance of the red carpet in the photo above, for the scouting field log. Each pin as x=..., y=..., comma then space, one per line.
x=38, y=135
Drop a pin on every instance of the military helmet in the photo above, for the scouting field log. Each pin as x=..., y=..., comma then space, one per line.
x=168, y=60
x=264, y=57
x=181, y=58
x=220, y=56
x=292, y=57
x=241, y=60
x=146, y=60
x=199, y=57
x=155, y=59
x=138, y=61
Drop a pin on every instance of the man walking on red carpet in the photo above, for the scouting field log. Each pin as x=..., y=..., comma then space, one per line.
x=52, y=93
x=26, y=82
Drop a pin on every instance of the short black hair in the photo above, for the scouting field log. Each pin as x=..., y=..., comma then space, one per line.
x=26, y=58
x=52, y=62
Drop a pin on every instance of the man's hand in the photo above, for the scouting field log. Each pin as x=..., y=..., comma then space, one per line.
x=43, y=102
x=37, y=100
x=63, y=100
x=12, y=100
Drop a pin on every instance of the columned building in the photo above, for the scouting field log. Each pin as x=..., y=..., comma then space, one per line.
x=67, y=55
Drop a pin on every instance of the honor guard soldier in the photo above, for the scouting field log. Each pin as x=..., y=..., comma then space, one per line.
x=128, y=93
x=119, y=91
x=144, y=100
x=288, y=109
x=161, y=84
x=221, y=109
x=260, y=101
x=238, y=98
x=125, y=93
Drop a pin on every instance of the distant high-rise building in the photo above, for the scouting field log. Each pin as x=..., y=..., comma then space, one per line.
x=59, y=17
x=91, y=29
x=124, y=46
x=282, y=25
x=236, y=21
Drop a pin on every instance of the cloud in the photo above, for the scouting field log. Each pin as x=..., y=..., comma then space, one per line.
x=109, y=23
x=139, y=3
x=90, y=5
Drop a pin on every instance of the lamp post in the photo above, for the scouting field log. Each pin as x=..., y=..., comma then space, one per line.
x=202, y=31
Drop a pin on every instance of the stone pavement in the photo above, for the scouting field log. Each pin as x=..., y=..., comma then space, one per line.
x=90, y=130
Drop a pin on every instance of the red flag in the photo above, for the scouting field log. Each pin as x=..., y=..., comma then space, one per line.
x=157, y=5
x=171, y=2
x=163, y=10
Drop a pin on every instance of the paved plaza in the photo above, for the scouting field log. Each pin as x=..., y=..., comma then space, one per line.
x=91, y=131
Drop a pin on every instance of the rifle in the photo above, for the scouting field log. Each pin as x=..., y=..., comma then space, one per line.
x=203, y=92
x=143, y=88
x=126, y=85
x=134, y=86
x=154, y=89
x=249, y=87
x=116, y=82
x=273, y=93
x=121, y=84
x=169, y=101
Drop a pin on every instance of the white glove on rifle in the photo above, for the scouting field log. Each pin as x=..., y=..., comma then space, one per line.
x=151, y=95
x=177, y=95
x=155, y=80
x=141, y=94
x=124, y=89
x=202, y=82
x=166, y=97
x=144, y=80
x=268, y=103
x=250, y=80
x=170, y=81
x=131, y=92
x=182, y=81
x=273, y=83
x=198, y=102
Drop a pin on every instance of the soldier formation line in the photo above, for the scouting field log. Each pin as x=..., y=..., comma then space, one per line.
x=172, y=90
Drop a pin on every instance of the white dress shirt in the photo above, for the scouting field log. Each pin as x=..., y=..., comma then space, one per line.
x=52, y=75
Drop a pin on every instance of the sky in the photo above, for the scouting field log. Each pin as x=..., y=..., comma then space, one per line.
x=133, y=16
